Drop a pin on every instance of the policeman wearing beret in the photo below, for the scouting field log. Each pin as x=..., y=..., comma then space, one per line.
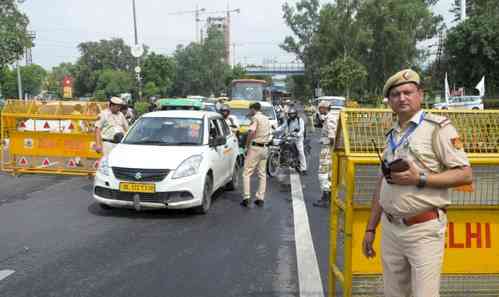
x=425, y=158
x=110, y=124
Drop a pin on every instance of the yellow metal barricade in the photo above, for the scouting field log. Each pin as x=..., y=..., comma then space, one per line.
x=471, y=263
x=52, y=137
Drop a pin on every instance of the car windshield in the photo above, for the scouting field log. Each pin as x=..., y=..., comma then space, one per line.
x=166, y=131
x=241, y=114
x=335, y=102
x=247, y=91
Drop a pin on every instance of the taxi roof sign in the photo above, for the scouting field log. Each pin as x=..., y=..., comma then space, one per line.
x=179, y=103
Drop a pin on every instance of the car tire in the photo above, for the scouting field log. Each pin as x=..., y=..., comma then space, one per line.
x=207, y=192
x=235, y=182
x=104, y=206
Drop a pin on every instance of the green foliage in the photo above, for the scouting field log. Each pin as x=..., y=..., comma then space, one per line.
x=379, y=34
x=342, y=75
x=150, y=89
x=114, y=82
x=13, y=32
x=33, y=77
x=53, y=83
x=200, y=68
x=160, y=71
x=141, y=108
x=97, y=56
x=472, y=50
x=100, y=95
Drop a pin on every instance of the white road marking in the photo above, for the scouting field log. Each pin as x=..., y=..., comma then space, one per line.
x=5, y=273
x=309, y=276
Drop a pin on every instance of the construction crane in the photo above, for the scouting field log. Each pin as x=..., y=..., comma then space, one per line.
x=227, y=35
x=196, y=13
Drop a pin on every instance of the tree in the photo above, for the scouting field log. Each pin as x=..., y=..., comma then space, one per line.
x=150, y=89
x=160, y=71
x=342, y=75
x=114, y=82
x=53, y=83
x=472, y=50
x=380, y=34
x=97, y=56
x=33, y=77
x=303, y=20
x=200, y=68
x=13, y=33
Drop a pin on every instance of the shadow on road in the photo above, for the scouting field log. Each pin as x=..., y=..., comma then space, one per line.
x=96, y=210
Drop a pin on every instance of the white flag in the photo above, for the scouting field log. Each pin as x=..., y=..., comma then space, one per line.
x=446, y=89
x=481, y=87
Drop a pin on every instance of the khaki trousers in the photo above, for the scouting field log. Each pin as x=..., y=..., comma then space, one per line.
x=412, y=257
x=256, y=158
x=324, y=171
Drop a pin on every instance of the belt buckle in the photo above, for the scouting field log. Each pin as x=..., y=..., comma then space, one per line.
x=395, y=220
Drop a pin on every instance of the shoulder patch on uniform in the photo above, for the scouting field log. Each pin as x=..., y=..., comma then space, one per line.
x=437, y=119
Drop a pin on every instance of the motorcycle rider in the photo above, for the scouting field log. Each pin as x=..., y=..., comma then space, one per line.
x=231, y=120
x=294, y=125
x=328, y=121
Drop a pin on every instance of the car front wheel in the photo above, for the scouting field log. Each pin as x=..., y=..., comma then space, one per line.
x=236, y=178
x=207, y=192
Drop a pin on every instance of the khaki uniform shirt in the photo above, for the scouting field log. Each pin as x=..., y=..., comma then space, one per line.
x=111, y=123
x=261, y=125
x=434, y=147
x=330, y=126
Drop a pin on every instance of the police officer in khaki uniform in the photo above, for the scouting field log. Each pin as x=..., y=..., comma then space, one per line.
x=411, y=200
x=111, y=122
x=259, y=135
x=328, y=121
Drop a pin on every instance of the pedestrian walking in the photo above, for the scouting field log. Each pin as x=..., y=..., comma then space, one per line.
x=110, y=126
x=259, y=135
x=327, y=119
x=424, y=157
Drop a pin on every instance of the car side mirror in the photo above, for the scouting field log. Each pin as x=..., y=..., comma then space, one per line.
x=118, y=137
x=217, y=141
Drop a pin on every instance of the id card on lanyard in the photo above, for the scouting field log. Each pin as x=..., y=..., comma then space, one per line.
x=395, y=145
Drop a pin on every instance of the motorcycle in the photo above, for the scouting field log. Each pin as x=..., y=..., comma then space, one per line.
x=283, y=153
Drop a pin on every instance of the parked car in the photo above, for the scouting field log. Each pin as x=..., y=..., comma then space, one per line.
x=169, y=159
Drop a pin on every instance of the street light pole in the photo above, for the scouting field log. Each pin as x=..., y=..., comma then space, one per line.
x=136, y=43
x=135, y=22
x=19, y=81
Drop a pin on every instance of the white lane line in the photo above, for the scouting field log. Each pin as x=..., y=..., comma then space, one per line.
x=5, y=273
x=309, y=276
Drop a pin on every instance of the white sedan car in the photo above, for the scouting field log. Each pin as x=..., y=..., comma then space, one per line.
x=169, y=159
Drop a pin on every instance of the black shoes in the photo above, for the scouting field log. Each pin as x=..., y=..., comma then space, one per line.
x=324, y=201
x=304, y=172
x=245, y=203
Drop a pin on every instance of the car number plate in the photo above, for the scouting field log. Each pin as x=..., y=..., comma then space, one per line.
x=137, y=188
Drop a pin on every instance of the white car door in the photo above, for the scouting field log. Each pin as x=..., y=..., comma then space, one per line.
x=216, y=155
x=231, y=149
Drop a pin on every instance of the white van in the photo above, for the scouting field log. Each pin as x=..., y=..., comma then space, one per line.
x=461, y=102
x=335, y=102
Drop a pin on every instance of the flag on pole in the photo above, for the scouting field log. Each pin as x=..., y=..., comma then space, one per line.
x=481, y=87
x=447, y=91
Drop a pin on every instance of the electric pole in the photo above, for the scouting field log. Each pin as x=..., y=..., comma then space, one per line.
x=197, y=12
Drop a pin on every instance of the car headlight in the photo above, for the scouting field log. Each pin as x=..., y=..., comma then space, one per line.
x=104, y=166
x=188, y=167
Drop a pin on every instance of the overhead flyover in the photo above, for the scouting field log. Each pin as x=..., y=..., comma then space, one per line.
x=276, y=69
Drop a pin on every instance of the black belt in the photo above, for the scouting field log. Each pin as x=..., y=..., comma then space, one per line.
x=259, y=144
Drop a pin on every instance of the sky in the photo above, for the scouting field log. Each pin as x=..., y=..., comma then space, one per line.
x=60, y=25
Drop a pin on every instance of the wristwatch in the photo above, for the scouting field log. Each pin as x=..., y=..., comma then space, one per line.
x=423, y=178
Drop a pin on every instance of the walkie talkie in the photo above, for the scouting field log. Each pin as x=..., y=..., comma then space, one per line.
x=384, y=166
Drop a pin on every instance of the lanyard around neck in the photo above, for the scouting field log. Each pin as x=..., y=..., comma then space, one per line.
x=393, y=145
